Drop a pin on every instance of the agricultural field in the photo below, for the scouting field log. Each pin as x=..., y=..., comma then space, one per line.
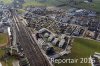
x=82, y=48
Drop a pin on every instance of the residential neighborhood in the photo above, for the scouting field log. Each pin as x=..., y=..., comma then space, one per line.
x=49, y=33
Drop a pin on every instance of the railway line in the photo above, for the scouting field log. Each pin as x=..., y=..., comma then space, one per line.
x=31, y=49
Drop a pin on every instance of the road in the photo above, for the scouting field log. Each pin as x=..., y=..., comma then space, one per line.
x=31, y=49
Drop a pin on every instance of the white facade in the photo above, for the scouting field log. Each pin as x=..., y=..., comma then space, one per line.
x=9, y=31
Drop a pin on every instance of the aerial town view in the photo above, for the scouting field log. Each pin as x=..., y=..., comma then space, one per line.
x=49, y=32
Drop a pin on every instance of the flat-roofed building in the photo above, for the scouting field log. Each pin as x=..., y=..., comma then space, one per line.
x=61, y=43
x=51, y=38
x=55, y=41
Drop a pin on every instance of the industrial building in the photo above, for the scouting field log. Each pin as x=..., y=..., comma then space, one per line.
x=51, y=42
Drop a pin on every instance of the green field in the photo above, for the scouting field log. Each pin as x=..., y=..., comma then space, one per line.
x=3, y=38
x=80, y=4
x=92, y=6
x=2, y=52
x=7, y=1
x=95, y=6
x=9, y=60
x=3, y=41
x=82, y=48
x=33, y=3
x=37, y=3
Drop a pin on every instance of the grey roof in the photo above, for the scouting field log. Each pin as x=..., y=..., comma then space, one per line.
x=61, y=43
x=55, y=40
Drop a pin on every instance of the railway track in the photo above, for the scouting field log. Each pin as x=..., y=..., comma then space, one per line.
x=31, y=49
